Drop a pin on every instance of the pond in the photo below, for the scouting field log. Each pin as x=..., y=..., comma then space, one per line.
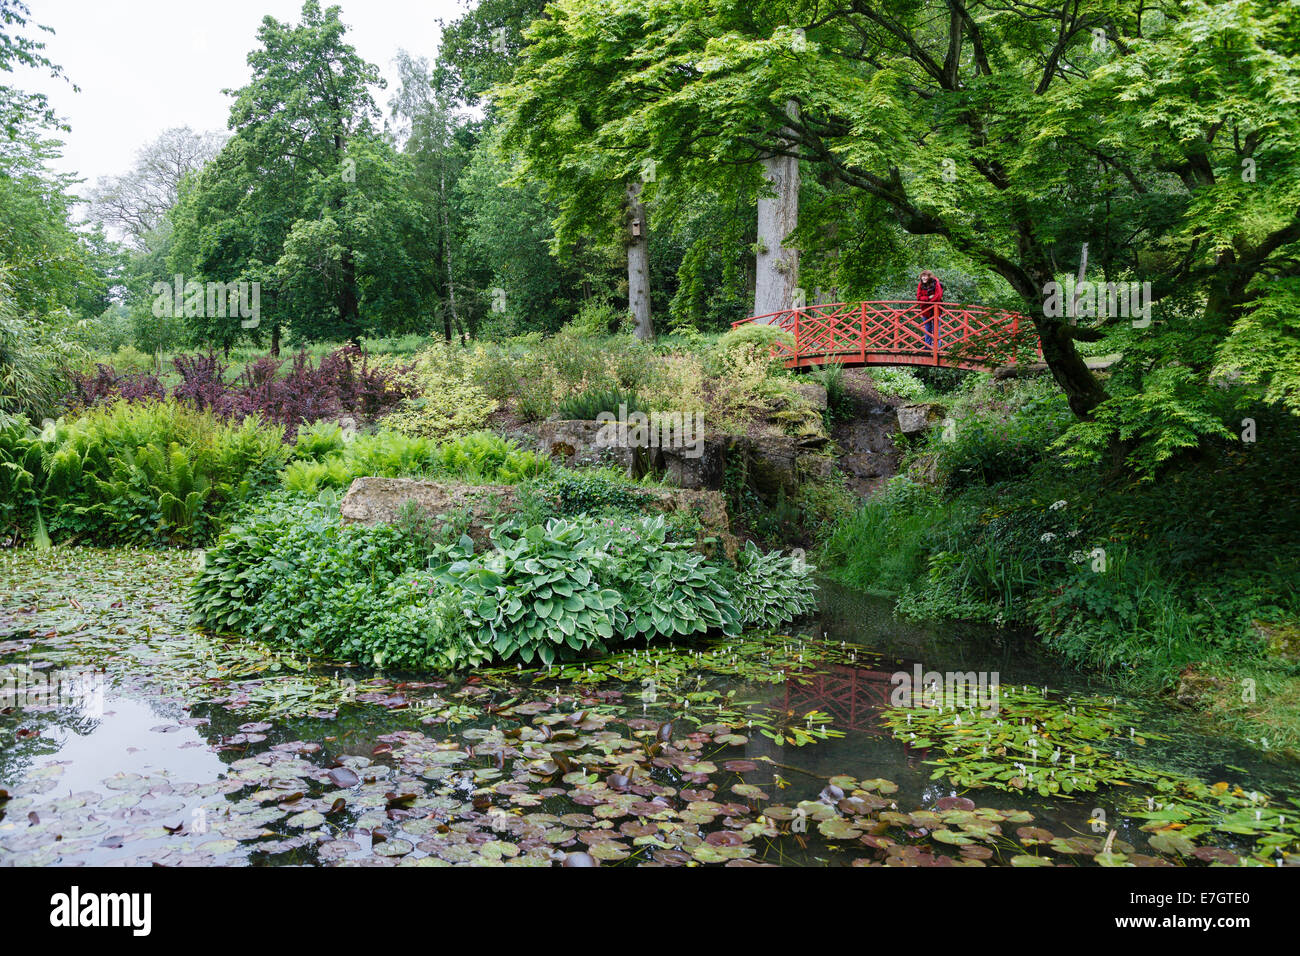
x=161, y=745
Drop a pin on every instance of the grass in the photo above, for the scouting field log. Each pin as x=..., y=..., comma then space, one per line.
x=1257, y=701
x=882, y=547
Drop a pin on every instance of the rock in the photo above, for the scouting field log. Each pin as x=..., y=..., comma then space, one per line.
x=697, y=463
x=1193, y=687
x=575, y=443
x=925, y=469
x=709, y=506
x=915, y=418
x=382, y=500
x=813, y=394
x=700, y=466
x=1280, y=640
x=817, y=467
x=771, y=462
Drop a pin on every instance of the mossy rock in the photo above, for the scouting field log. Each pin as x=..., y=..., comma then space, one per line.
x=1280, y=640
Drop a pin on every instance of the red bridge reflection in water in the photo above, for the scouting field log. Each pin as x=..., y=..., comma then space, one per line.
x=852, y=696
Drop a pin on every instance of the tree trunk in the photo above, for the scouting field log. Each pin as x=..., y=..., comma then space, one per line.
x=451, y=318
x=349, y=300
x=776, y=267
x=275, y=339
x=638, y=264
x=1068, y=367
x=1056, y=336
x=349, y=306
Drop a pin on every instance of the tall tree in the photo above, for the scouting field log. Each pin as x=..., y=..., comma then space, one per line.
x=22, y=112
x=438, y=142
x=776, y=270
x=638, y=263
x=309, y=95
x=480, y=49
x=137, y=202
x=307, y=198
x=47, y=263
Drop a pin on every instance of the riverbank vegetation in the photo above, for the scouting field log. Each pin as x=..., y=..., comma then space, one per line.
x=1152, y=579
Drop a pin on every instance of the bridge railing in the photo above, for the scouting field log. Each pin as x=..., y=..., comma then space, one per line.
x=897, y=332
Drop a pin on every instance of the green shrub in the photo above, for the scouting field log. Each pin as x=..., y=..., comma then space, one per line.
x=37, y=360
x=771, y=589
x=998, y=436
x=535, y=596
x=599, y=493
x=752, y=334
x=20, y=474
x=445, y=399
x=107, y=332
x=557, y=590
x=668, y=589
x=595, y=318
x=882, y=547
x=479, y=458
x=383, y=454
x=157, y=472
x=318, y=440
x=839, y=406
x=570, y=491
x=587, y=406
x=290, y=574
x=128, y=358
x=417, y=625
x=898, y=382
x=486, y=458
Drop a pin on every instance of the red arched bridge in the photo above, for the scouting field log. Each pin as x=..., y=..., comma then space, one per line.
x=942, y=334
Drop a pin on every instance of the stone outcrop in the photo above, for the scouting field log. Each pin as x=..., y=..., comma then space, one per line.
x=918, y=417
x=574, y=443
x=382, y=501
x=778, y=455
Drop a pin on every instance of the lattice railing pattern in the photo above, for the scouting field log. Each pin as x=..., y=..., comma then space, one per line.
x=882, y=333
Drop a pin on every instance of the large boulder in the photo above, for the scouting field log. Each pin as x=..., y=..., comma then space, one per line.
x=696, y=464
x=576, y=443
x=700, y=465
x=918, y=417
x=382, y=500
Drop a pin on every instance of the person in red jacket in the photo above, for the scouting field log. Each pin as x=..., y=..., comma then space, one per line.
x=928, y=290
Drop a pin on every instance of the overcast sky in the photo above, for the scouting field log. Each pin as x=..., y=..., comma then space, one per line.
x=146, y=65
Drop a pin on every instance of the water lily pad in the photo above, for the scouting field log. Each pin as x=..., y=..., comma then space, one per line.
x=393, y=848
x=1172, y=842
x=838, y=829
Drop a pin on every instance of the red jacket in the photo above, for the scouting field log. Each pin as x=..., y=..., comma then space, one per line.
x=935, y=296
